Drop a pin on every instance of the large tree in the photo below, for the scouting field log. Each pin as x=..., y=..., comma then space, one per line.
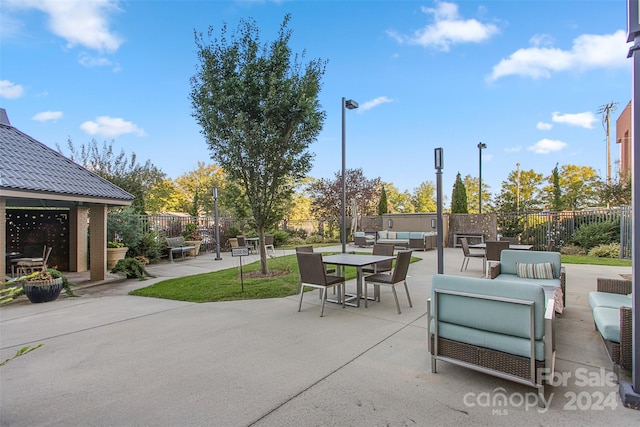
x=521, y=192
x=259, y=112
x=125, y=172
x=424, y=197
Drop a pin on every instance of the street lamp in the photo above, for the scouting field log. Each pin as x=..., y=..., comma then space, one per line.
x=215, y=220
x=481, y=145
x=351, y=105
x=439, y=164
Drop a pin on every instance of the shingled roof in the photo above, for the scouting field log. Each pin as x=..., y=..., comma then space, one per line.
x=31, y=170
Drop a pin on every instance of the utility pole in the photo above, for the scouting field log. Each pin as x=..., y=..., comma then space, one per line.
x=518, y=188
x=606, y=110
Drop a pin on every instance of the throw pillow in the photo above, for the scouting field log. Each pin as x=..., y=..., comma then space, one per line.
x=543, y=270
x=391, y=235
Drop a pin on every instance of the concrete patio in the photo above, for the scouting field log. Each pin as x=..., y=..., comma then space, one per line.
x=113, y=359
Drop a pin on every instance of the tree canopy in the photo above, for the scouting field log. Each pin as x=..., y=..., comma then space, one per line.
x=459, y=196
x=259, y=111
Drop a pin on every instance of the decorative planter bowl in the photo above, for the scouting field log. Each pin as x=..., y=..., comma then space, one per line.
x=114, y=255
x=42, y=290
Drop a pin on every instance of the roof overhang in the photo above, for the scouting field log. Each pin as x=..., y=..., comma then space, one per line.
x=22, y=198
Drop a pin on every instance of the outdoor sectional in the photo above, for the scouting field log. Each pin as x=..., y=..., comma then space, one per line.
x=612, y=316
x=496, y=327
x=507, y=270
x=422, y=240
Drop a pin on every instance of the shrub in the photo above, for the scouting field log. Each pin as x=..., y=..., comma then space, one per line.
x=280, y=238
x=149, y=246
x=597, y=233
x=124, y=226
x=295, y=241
x=299, y=232
x=572, y=250
x=314, y=238
x=611, y=250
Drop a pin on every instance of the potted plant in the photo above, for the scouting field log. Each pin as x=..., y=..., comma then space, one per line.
x=132, y=268
x=115, y=252
x=43, y=285
x=192, y=237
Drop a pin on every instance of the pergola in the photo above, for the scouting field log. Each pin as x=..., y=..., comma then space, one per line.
x=33, y=175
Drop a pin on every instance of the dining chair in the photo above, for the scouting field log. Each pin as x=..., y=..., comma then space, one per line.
x=468, y=255
x=29, y=265
x=309, y=249
x=382, y=266
x=268, y=243
x=398, y=276
x=492, y=252
x=312, y=274
x=243, y=243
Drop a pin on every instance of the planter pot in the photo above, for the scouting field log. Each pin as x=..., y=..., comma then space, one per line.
x=42, y=290
x=196, y=243
x=114, y=255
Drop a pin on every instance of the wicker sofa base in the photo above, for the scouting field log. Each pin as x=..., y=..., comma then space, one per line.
x=488, y=358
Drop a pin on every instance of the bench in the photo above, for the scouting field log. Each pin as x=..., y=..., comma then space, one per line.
x=612, y=316
x=469, y=236
x=176, y=245
x=499, y=328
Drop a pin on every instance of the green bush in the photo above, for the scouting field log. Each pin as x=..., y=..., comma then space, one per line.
x=124, y=226
x=299, y=232
x=597, y=233
x=149, y=246
x=295, y=241
x=611, y=250
x=280, y=238
x=314, y=238
x=572, y=250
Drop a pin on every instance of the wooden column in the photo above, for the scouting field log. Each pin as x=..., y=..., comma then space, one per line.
x=98, y=242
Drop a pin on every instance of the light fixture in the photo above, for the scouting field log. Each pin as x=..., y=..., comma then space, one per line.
x=481, y=146
x=351, y=105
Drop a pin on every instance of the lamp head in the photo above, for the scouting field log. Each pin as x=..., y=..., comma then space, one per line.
x=351, y=104
x=482, y=145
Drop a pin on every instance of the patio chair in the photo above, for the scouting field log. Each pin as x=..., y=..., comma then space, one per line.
x=243, y=244
x=380, y=267
x=398, y=276
x=312, y=274
x=309, y=249
x=468, y=255
x=29, y=265
x=492, y=253
x=268, y=243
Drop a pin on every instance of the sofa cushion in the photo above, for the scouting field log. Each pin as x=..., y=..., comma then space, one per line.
x=391, y=234
x=382, y=234
x=543, y=270
x=509, y=257
x=607, y=322
x=607, y=299
x=403, y=235
x=416, y=235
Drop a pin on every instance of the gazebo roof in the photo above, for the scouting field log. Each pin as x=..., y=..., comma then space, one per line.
x=31, y=170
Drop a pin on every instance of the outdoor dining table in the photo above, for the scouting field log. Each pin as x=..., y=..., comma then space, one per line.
x=254, y=242
x=358, y=261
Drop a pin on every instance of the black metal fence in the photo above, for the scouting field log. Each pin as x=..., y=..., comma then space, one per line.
x=551, y=230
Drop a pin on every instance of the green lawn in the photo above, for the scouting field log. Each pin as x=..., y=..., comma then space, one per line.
x=578, y=259
x=226, y=285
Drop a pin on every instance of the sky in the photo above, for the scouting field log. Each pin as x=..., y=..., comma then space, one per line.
x=526, y=78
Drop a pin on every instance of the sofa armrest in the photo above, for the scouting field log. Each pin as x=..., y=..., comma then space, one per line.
x=416, y=243
x=494, y=270
x=626, y=337
x=429, y=326
x=563, y=285
x=614, y=286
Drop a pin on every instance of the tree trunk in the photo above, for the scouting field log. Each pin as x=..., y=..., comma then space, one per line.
x=263, y=252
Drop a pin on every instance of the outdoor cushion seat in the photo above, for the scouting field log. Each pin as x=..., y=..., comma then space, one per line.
x=607, y=299
x=607, y=320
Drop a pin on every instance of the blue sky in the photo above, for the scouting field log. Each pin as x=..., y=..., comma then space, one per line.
x=527, y=78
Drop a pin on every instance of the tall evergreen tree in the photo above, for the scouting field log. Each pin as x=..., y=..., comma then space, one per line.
x=459, y=196
x=556, y=195
x=382, y=204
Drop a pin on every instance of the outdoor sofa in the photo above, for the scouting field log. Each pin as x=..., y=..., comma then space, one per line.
x=361, y=239
x=422, y=240
x=612, y=316
x=542, y=268
x=497, y=327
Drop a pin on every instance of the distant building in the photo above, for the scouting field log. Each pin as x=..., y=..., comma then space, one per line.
x=625, y=139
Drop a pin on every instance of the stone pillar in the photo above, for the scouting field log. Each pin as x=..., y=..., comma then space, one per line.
x=98, y=242
x=78, y=235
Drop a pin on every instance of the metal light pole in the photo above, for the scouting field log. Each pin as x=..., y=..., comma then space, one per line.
x=350, y=104
x=630, y=392
x=518, y=191
x=215, y=220
x=481, y=145
x=439, y=163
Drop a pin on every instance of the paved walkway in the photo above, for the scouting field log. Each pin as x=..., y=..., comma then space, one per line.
x=117, y=360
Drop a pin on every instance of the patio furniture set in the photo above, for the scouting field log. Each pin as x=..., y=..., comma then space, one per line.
x=418, y=240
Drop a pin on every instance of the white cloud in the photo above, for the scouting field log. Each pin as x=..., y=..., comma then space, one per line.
x=374, y=103
x=79, y=22
x=588, y=51
x=513, y=149
x=544, y=126
x=448, y=28
x=546, y=146
x=110, y=127
x=10, y=90
x=47, y=115
x=583, y=120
